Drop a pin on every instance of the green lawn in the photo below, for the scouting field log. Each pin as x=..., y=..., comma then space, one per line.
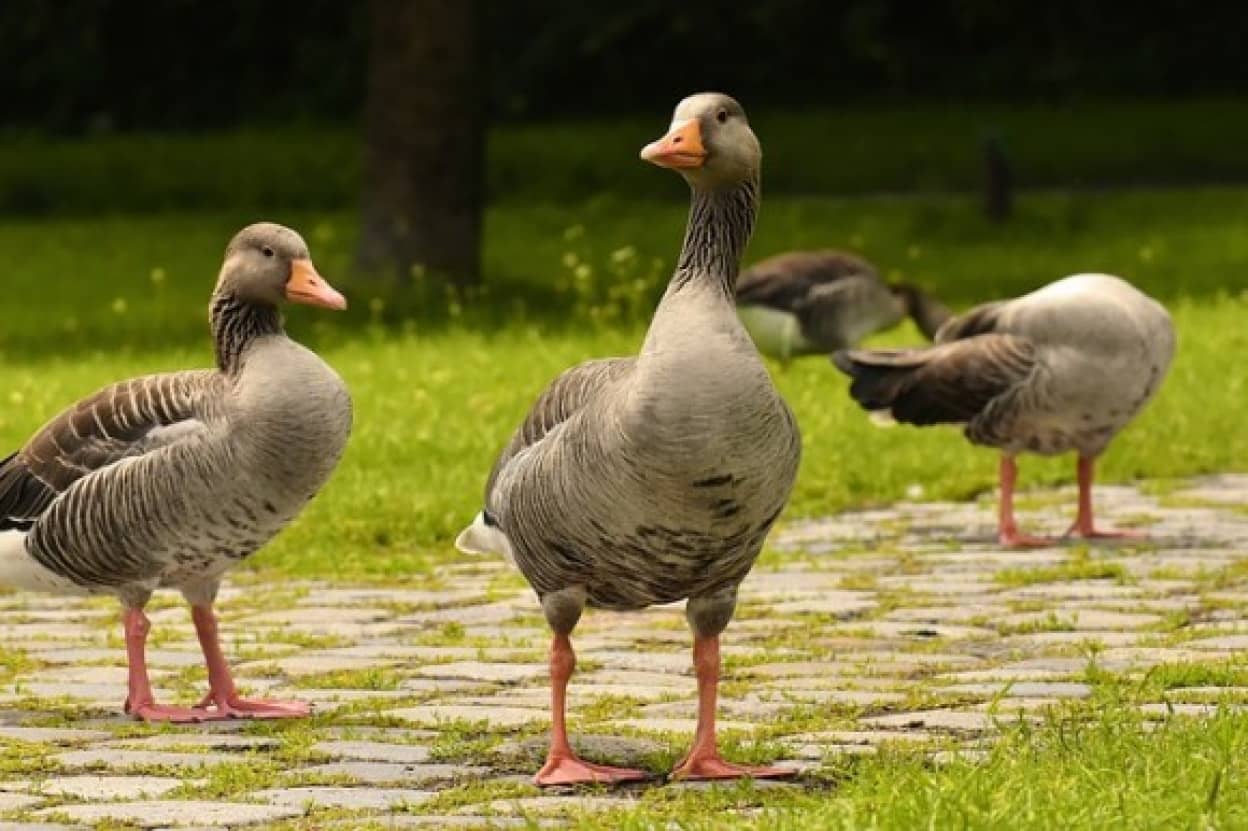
x=440, y=382
x=1085, y=768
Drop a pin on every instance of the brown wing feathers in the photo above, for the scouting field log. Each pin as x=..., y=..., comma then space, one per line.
x=94, y=433
x=23, y=497
x=943, y=384
x=785, y=281
x=567, y=394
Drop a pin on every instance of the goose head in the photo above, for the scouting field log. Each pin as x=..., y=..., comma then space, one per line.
x=268, y=264
x=709, y=142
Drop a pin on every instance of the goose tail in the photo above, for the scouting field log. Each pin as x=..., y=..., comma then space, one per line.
x=19, y=570
x=484, y=536
x=879, y=377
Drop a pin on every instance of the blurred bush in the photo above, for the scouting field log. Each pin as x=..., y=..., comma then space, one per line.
x=80, y=66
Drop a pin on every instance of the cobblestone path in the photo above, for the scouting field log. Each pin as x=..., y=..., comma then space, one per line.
x=900, y=625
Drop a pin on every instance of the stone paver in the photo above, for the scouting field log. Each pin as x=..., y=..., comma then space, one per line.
x=907, y=627
x=108, y=787
x=410, y=754
x=174, y=813
x=17, y=801
x=119, y=758
x=376, y=799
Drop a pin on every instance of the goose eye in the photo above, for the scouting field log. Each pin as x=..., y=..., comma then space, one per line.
x=268, y=252
x=721, y=116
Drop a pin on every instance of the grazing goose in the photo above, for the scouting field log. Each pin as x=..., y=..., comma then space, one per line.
x=169, y=480
x=816, y=302
x=655, y=478
x=1063, y=368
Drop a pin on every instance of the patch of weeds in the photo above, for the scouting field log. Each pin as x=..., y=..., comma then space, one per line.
x=609, y=707
x=889, y=600
x=1169, y=573
x=810, y=717
x=273, y=598
x=255, y=652
x=1138, y=520
x=732, y=665
x=233, y=779
x=304, y=640
x=1160, y=486
x=48, y=712
x=478, y=794
x=1050, y=622
x=15, y=662
x=1079, y=566
x=738, y=804
x=1176, y=619
x=859, y=581
x=1229, y=576
x=451, y=633
x=505, y=584
x=459, y=741
x=1232, y=672
x=368, y=678
x=29, y=759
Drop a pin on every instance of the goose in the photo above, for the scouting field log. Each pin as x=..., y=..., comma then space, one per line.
x=818, y=302
x=651, y=479
x=169, y=480
x=1063, y=368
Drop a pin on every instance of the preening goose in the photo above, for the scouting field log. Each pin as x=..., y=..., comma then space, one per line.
x=169, y=480
x=816, y=302
x=655, y=478
x=1063, y=368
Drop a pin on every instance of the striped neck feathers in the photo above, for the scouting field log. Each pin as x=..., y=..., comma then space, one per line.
x=235, y=326
x=720, y=224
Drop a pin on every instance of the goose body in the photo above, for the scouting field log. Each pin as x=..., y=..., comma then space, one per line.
x=818, y=302
x=188, y=499
x=655, y=478
x=669, y=467
x=166, y=481
x=1064, y=368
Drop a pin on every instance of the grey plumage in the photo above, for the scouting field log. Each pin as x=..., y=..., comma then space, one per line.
x=168, y=480
x=635, y=481
x=818, y=302
x=1063, y=368
x=645, y=480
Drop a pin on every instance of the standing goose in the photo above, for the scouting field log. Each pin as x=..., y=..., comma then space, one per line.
x=817, y=302
x=1063, y=368
x=655, y=478
x=169, y=480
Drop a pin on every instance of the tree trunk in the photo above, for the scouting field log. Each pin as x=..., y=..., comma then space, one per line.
x=424, y=140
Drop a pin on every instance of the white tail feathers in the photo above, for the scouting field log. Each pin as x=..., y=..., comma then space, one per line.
x=19, y=570
x=480, y=538
x=882, y=418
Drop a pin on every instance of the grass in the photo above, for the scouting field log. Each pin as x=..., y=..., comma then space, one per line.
x=1078, y=566
x=1064, y=773
x=856, y=149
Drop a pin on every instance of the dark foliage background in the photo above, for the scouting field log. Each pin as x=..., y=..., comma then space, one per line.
x=83, y=65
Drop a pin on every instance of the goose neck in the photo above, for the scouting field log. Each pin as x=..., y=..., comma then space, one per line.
x=721, y=221
x=236, y=324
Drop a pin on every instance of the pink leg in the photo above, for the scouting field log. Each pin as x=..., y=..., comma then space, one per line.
x=563, y=767
x=1007, y=528
x=704, y=761
x=1084, y=526
x=140, y=702
x=222, y=693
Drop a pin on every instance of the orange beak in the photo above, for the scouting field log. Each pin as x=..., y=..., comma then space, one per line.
x=308, y=287
x=680, y=149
